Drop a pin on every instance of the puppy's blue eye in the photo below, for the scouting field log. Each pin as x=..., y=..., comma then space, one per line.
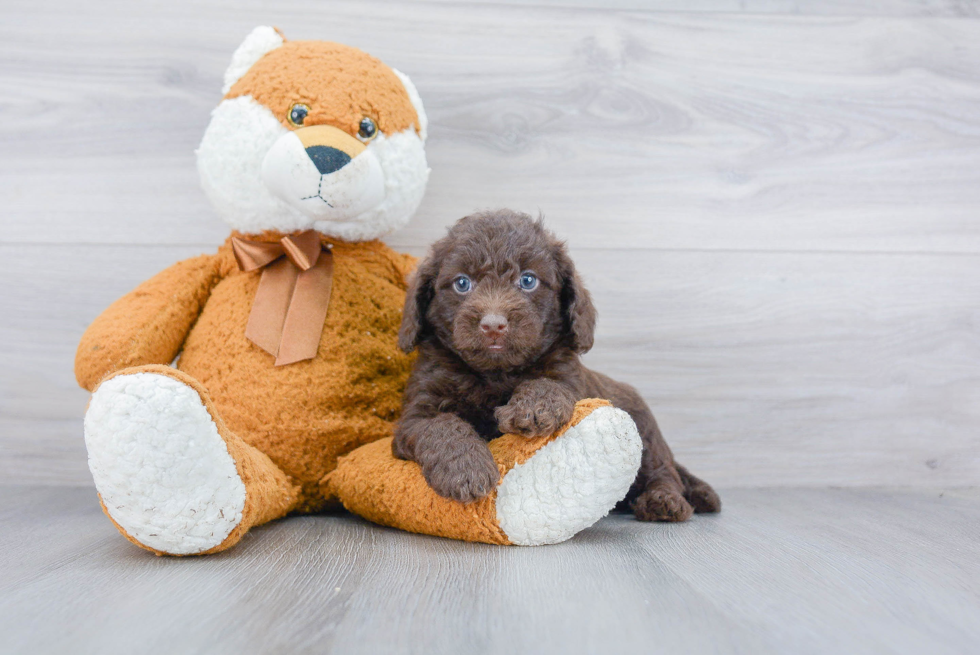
x=528, y=281
x=462, y=284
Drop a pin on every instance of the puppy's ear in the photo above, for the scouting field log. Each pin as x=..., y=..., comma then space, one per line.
x=578, y=312
x=421, y=289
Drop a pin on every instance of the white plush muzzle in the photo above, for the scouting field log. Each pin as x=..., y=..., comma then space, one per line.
x=337, y=196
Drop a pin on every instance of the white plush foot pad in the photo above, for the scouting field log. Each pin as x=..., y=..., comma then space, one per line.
x=572, y=482
x=161, y=468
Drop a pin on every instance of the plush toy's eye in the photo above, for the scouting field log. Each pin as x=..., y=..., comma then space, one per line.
x=462, y=284
x=528, y=281
x=298, y=114
x=367, y=130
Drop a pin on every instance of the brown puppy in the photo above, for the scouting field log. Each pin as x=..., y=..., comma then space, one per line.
x=499, y=317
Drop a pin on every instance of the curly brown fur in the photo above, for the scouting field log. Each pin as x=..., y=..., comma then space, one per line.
x=497, y=358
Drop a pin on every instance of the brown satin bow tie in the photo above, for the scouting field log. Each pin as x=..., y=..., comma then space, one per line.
x=291, y=302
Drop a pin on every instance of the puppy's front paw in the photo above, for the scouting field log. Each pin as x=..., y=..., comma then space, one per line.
x=532, y=415
x=466, y=474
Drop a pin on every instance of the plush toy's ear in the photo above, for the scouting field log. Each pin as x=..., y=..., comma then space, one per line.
x=261, y=40
x=413, y=95
x=421, y=290
x=577, y=310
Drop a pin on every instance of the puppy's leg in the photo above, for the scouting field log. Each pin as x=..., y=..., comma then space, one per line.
x=662, y=500
x=455, y=461
x=699, y=493
x=659, y=485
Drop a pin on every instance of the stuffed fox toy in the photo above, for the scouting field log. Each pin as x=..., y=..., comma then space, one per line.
x=239, y=387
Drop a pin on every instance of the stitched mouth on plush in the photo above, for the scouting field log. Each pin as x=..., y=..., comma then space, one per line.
x=324, y=182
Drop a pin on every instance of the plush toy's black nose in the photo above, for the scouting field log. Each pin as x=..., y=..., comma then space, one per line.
x=327, y=159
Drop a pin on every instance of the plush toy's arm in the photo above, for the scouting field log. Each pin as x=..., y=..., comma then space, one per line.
x=149, y=324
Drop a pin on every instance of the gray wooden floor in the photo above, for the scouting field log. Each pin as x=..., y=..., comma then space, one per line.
x=780, y=571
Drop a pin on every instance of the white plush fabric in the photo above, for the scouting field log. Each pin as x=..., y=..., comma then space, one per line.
x=402, y=158
x=572, y=482
x=413, y=95
x=160, y=466
x=261, y=40
x=290, y=174
x=231, y=161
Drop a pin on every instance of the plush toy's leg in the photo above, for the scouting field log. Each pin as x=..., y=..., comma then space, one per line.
x=170, y=475
x=551, y=487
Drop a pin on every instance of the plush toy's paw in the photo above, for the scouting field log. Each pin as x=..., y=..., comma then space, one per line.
x=553, y=487
x=661, y=504
x=536, y=413
x=572, y=481
x=162, y=470
x=465, y=474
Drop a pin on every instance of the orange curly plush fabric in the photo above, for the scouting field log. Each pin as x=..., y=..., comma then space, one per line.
x=340, y=85
x=347, y=396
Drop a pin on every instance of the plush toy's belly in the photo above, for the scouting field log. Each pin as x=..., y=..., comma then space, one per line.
x=307, y=414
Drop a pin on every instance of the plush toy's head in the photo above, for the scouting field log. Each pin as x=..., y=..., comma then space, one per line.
x=314, y=135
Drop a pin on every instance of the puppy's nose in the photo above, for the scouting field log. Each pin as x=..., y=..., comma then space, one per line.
x=493, y=325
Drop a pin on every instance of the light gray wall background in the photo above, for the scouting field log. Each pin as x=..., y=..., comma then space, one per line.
x=775, y=203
